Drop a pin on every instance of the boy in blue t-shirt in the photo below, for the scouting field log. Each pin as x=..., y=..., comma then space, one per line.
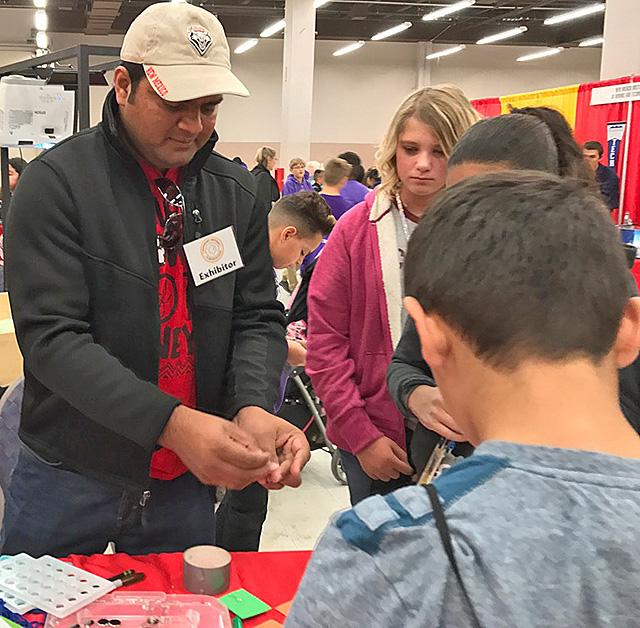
x=518, y=285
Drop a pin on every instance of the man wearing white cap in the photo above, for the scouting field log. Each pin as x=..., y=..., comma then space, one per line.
x=144, y=305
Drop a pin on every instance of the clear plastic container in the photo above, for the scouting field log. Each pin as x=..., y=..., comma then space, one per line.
x=146, y=610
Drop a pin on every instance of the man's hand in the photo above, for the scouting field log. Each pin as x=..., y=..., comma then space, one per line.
x=297, y=352
x=427, y=404
x=384, y=460
x=215, y=450
x=286, y=444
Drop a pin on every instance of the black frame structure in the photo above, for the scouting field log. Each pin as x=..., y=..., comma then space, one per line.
x=80, y=54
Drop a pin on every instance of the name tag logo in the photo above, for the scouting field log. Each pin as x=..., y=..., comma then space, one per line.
x=212, y=250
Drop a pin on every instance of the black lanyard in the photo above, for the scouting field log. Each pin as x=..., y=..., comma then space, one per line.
x=445, y=537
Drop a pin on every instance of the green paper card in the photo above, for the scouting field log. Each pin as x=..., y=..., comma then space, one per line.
x=243, y=604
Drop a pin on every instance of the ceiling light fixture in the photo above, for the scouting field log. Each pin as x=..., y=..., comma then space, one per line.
x=392, y=31
x=574, y=15
x=349, y=48
x=40, y=4
x=594, y=41
x=246, y=46
x=504, y=35
x=320, y=3
x=446, y=52
x=438, y=13
x=41, y=20
x=273, y=29
x=540, y=55
x=42, y=41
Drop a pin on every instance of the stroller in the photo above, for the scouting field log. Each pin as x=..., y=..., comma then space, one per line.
x=301, y=406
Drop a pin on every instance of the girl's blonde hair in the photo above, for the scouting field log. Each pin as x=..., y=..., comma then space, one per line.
x=444, y=108
x=264, y=154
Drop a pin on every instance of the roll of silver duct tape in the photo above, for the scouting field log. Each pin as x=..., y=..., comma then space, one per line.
x=206, y=570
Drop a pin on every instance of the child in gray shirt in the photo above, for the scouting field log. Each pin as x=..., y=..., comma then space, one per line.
x=518, y=287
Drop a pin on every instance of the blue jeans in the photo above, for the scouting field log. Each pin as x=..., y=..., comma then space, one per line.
x=49, y=510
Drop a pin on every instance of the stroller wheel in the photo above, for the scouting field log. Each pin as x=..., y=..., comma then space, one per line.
x=336, y=468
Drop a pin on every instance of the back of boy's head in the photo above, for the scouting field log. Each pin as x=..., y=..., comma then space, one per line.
x=308, y=212
x=522, y=266
x=519, y=141
x=297, y=161
x=335, y=170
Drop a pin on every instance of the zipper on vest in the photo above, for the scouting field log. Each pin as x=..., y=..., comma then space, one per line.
x=197, y=218
x=145, y=498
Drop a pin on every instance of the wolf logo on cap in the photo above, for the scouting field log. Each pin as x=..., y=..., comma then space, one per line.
x=200, y=38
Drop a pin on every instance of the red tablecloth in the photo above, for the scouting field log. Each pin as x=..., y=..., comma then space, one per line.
x=272, y=576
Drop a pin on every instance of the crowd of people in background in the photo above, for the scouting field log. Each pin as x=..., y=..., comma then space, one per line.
x=469, y=288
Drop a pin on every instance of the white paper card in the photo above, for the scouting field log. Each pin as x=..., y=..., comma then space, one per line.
x=213, y=256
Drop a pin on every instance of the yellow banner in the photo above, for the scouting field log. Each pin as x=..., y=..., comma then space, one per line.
x=564, y=99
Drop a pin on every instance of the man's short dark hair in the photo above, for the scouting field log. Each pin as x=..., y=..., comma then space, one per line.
x=136, y=74
x=593, y=145
x=308, y=212
x=523, y=265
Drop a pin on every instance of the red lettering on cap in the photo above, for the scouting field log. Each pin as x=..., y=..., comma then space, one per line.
x=157, y=82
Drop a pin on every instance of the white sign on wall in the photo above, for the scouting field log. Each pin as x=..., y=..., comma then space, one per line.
x=615, y=93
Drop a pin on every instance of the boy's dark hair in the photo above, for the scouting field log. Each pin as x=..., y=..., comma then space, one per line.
x=593, y=145
x=136, y=74
x=523, y=265
x=570, y=159
x=522, y=142
x=308, y=212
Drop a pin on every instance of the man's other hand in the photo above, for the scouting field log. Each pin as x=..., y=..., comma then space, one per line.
x=286, y=445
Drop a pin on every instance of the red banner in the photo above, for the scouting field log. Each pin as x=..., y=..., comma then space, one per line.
x=487, y=107
x=591, y=124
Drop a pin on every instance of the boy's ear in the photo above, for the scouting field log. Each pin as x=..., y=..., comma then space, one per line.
x=289, y=232
x=628, y=340
x=430, y=327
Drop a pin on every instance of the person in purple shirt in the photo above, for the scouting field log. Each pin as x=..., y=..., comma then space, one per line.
x=353, y=192
x=336, y=175
x=298, y=180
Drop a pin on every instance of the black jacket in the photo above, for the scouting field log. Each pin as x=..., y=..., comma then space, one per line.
x=268, y=191
x=609, y=186
x=408, y=370
x=82, y=265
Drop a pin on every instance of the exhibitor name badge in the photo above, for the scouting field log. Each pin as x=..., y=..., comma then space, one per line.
x=213, y=256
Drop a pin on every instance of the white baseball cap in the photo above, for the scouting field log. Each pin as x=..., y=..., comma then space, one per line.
x=184, y=52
